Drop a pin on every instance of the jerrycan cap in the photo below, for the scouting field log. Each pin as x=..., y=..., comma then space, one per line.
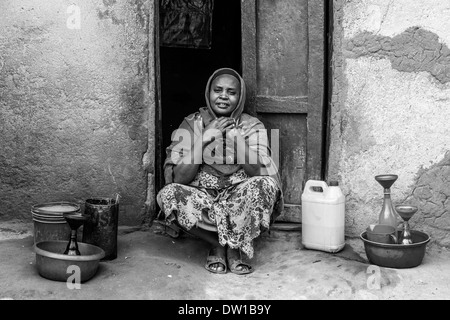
x=333, y=183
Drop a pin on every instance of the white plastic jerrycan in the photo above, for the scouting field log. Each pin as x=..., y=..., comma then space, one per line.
x=323, y=216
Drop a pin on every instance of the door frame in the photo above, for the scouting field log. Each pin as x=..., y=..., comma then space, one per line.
x=159, y=159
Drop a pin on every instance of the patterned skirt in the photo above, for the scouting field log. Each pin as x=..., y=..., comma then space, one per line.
x=239, y=207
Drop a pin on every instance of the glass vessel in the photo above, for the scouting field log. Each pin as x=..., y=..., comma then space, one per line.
x=75, y=221
x=406, y=212
x=388, y=215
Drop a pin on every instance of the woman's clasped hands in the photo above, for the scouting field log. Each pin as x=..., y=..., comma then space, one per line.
x=223, y=127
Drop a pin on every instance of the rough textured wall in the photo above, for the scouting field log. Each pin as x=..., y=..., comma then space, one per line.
x=390, y=109
x=75, y=104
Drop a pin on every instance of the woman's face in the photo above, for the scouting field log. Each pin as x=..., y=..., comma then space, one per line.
x=224, y=94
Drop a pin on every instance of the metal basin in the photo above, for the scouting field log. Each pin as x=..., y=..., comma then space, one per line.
x=397, y=255
x=52, y=264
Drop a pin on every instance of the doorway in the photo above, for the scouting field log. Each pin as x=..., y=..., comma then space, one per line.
x=279, y=47
x=184, y=72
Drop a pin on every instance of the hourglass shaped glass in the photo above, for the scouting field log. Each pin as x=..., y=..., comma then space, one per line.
x=406, y=212
x=75, y=221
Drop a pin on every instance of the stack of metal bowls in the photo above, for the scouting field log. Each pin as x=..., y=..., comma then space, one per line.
x=49, y=221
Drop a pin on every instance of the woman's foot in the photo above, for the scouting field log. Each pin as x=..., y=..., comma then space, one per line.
x=236, y=263
x=216, y=261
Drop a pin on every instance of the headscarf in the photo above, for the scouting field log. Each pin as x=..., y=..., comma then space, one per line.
x=237, y=112
x=251, y=128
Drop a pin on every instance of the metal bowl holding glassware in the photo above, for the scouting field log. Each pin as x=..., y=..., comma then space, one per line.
x=396, y=255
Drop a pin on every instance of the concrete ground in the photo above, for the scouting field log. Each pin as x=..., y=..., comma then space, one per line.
x=152, y=265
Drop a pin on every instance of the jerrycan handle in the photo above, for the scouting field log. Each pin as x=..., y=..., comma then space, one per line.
x=310, y=184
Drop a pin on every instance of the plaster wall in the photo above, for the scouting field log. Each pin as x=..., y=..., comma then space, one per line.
x=390, y=109
x=75, y=104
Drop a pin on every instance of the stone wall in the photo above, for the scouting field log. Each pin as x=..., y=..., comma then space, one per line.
x=390, y=109
x=75, y=104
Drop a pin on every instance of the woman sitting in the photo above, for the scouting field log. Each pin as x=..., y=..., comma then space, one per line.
x=221, y=183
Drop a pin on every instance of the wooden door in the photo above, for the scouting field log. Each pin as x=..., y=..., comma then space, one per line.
x=283, y=66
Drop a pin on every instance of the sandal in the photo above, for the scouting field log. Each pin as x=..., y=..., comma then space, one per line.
x=216, y=256
x=168, y=228
x=235, y=260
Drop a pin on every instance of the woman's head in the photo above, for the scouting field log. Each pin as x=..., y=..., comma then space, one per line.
x=225, y=92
